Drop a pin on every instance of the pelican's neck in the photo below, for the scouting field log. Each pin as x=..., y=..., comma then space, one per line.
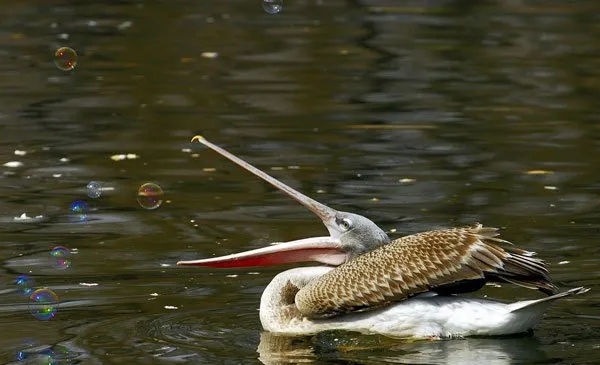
x=277, y=306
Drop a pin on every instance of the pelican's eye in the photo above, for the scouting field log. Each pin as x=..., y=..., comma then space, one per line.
x=345, y=224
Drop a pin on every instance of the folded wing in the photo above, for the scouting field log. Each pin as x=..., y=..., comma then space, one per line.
x=451, y=260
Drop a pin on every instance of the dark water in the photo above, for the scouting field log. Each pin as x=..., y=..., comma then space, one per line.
x=417, y=116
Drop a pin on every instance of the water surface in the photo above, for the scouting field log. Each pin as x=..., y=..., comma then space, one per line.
x=417, y=116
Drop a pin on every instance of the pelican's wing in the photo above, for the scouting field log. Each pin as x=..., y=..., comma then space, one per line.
x=420, y=263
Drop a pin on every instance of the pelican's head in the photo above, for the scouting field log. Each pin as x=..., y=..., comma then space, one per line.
x=350, y=234
x=356, y=234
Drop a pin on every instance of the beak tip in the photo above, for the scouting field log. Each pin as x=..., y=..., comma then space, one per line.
x=198, y=138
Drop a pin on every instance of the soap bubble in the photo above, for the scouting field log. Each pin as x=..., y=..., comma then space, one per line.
x=62, y=256
x=25, y=284
x=150, y=196
x=43, y=304
x=94, y=189
x=65, y=58
x=272, y=6
x=79, y=210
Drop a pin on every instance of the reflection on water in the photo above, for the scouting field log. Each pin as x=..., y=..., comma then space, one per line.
x=352, y=348
x=419, y=117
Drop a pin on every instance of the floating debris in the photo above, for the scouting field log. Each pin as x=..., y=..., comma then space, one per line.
x=126, y=24
x=539, y=172
x=172, y=307
x=493, y=285
x=122, y=156
x=20, y=153
x=564, y=262
x=153, y=294
x=64, y=159
x=277, y=168
x=375, y=199
x=209, y=54
x=13, y=164
x=89, y=284
x=406, y=180
x=24, y=217
x=209, y=169
x=550, y=187
x=186, y=150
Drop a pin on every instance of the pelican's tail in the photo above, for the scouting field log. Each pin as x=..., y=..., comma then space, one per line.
x=538, y=306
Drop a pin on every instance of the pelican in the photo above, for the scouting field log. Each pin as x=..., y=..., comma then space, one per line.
x=406, y=288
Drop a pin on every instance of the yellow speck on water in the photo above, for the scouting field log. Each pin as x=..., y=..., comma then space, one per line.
x=277, y=168
x=344, y=52
x=187, y=59
x=210, y=54
x=406, y=180
x=539, y=172
x=564, y=262
x=320, y=191
x=122, y=156
x=375, y=199
x=550, y=187
x=393, y=230
x=209, y=169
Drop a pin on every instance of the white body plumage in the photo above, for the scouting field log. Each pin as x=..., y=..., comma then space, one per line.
x=423, y=316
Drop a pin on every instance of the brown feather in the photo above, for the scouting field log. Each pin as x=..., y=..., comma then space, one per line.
x=419, y=263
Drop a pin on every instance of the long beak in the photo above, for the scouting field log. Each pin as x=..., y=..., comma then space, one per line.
x=322, y=249
x=326, y=214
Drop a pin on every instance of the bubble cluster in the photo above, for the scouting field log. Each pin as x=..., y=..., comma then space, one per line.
x=61, y=256
x=94, y=189
x=25, y=284
x=65, y=58
x=43, y=304
x=79, y=210
x=150, y=196
x=272, y=6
